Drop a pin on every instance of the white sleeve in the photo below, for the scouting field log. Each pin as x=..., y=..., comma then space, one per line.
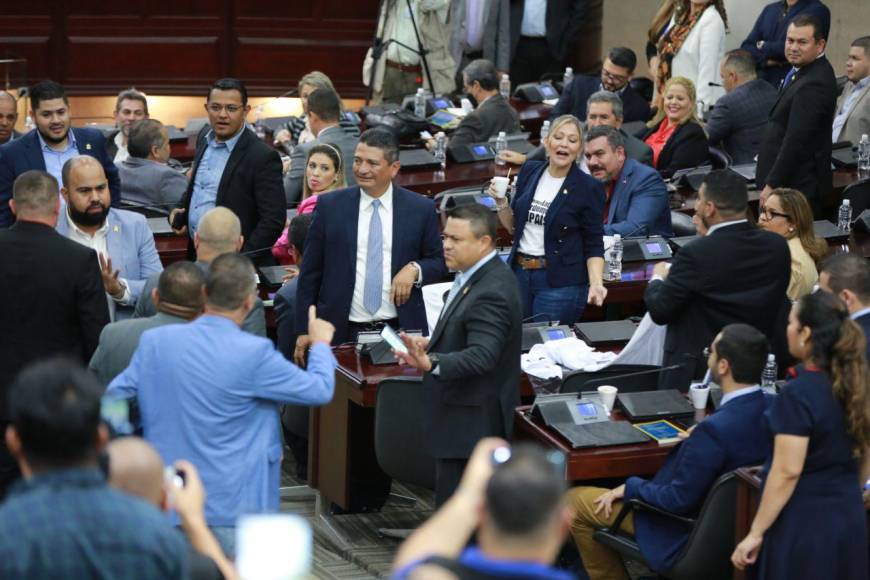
x=711, y=29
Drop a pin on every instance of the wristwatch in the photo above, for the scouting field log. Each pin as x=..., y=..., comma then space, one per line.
x=435, y=360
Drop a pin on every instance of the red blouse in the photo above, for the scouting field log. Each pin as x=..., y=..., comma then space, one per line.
x=659, y=139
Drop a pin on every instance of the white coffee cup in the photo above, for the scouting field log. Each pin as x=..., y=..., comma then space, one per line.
x=699, y=392
x=608, y=396
x=500, y=185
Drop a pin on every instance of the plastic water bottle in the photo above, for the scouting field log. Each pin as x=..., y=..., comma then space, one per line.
x=440, y=150
x=864, y=156
x=28, y=123
x=700, y=108
x=420, y=103
x=500, y=145
x=844, y=216
x=545, y=130
x=567, y=77
x=614, y=259
x=504, y=86
x=768, y=375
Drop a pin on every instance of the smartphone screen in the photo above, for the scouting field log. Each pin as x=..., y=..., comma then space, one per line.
x=393, y=339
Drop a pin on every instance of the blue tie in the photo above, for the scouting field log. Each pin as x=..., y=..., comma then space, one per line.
x=789, y=78
x=374, y=286
x=454, y=290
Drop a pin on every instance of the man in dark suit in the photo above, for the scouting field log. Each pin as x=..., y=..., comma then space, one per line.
x=51, y=145
x=543, y=34
x=848, y=276
x=735, y=273
x=616, y=73
x=796, y=148
x=52, y=299
x=285, y=298
x=369, y=250
x=472, y=360
x=734, y=436
x=234, y=169
x=739, y=118
x=146, y=177
x=8, y=117
x=493, y=113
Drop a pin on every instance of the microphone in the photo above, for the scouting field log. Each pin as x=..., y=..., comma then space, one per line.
x=534, y=316
x=711, y=84
x=157, y=207
x=639, y=228
x=592, y=384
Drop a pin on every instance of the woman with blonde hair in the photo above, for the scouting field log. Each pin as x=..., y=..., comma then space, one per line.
x=298, y=131
x=556, y=218
x=787, y=213
x=675, y=134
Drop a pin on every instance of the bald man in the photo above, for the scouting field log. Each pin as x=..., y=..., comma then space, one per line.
x=122, y=239
x=8, y=117
x=219, y=232
x=136, y=468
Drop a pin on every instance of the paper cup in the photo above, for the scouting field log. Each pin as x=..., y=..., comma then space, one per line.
x=608, y=396
x=699, y=393
x=500, y=185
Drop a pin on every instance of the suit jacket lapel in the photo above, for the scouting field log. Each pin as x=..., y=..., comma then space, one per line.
x=619, y=189
x=114, y=240
x=398, y=207
x=352, y=230
x=857, y=101
x=232, y=163
x=567, y=184
x=34, y=151
x=466, y=288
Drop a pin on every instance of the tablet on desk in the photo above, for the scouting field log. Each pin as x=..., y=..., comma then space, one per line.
x=665, y=432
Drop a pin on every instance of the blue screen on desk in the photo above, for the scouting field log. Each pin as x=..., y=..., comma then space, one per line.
x=548, y=91
x=480, y=149
x=440, y=104
x=654, y=247
x=587, y=409
x=487, y=201
x=555, y=334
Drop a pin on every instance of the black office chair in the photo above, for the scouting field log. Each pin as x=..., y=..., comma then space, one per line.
x=643, y=86
x=682, y=224
x=400, y=447
x=719, y=158
x=707, y=553
x=626, y=378
x=858, y=195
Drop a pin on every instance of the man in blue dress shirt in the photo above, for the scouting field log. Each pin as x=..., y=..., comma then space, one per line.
x=209, y=392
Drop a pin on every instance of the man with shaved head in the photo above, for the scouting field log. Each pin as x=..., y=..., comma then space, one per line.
x=8, y=117
x=122, y=239
x=219, y=232
x=135, y=468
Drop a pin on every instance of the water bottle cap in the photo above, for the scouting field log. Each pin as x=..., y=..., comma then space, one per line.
x=616, y=237
x=771, y=358
x=420, y=91
x=547, y=123
x=568, y=69
x=846, y=202
x=505, y=77
x=502, y=134
x=864, y=137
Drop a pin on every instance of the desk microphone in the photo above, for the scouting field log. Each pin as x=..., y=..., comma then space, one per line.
x=534, y=316
x=714, y=84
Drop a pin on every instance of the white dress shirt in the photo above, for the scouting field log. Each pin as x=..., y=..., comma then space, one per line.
x=98, y=243
x=534, y=18
x=358, y=313
x=860, y=313
x=739, y=393
x=122, y=153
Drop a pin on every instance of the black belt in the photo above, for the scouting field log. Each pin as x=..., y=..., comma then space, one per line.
x=373, y=326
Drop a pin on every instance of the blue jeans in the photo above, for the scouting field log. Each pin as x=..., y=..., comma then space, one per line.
x=565, y=304
x=226, y=537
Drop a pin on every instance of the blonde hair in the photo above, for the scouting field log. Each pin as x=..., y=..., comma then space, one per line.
x=319, y=80
x=795, y=205
x=563, y=120
x=693, y=98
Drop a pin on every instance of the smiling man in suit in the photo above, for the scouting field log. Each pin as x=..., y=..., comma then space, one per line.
x=234, y=169
x=369, y=250
x=796, y=148
x=472, y=361
x=50, y=146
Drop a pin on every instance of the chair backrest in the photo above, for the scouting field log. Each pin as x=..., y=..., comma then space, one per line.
x=707, y=553
x=643, y=86
x=682, y=224
x=719, y=158
x=626, y=378
x=400, y=445
x=858, y=195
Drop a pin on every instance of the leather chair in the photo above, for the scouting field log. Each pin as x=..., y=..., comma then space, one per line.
x=719, y=159
x=707, y=553
x=682, y=224
x=858, y=195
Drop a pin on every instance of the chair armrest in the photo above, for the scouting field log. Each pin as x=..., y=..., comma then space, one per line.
x=642, y=505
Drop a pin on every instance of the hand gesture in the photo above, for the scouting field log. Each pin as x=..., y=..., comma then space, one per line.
x=290, y=272
x=403, y=283
x=183, y=229
x=303, y=342
x=605, y=500
x=597, y=294
x=188, y=501
x=746, y=552
x=282, y=137
x=319, y=330
x=661, y=269
x=479, y=468
x=111, y=283
x=416, y=356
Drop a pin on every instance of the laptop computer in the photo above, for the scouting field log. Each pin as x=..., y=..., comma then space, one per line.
x=844, y=157
x=745, y=170
x=273, y=276
x=417, y=159
x=603, y=434
x=595, y=333
x=159, y=226
x=652, y=405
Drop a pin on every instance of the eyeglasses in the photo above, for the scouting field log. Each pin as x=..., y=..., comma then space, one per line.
x=770, y=214
x=217, y=108
x=617, y=79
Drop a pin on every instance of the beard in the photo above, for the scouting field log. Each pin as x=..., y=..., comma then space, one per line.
x=50, y=139
x=84, y=218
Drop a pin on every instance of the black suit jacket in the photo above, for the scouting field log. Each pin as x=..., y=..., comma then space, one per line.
x=796, y=148
x=687, y=147
x=478, y=339
x=52, y=299
x=252, y=187
x=738, y=120
x=564, y=21
x=864, y=323
x=739, y=273
x=575, y=96
x=494, y=115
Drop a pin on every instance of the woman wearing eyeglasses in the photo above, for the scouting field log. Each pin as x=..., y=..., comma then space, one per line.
x=787, y=213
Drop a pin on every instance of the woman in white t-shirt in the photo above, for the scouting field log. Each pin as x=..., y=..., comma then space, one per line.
x=556, y=219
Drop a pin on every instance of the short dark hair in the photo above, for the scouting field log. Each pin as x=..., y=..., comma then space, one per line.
x=298, y=230
x=181, y=284
x=623, y=56
x=740, y=61
x=35, y=191
x=231, y=279
x=613, y=136
x=325, y=104
x=45, y=91
x=481, y=219
x=848, y=272
x=131, y=94
x=144, y=134
x=611, y=99
x=482, y=71
x=746, y=349
x=864, y=43
x=727, y=190
x=525, y=492
x=54, y=405
x=805, y=19
x=382, y=139
x=230, y=84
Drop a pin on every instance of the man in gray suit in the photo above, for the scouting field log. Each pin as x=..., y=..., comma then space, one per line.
x=480, y=29
x=739, y=118
x=146, y=179
x=178, y=298
x=324, y=113
x=853, y=107
x=219, y=232
x=493, y=113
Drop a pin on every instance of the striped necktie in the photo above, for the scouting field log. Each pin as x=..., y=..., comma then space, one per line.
x=374, y=284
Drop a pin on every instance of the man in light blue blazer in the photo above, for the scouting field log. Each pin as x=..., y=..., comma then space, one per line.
x=122, y=239
x=637, y=199
x=209, y=392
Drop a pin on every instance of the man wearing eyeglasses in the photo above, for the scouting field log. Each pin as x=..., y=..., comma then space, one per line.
x=234, y=169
